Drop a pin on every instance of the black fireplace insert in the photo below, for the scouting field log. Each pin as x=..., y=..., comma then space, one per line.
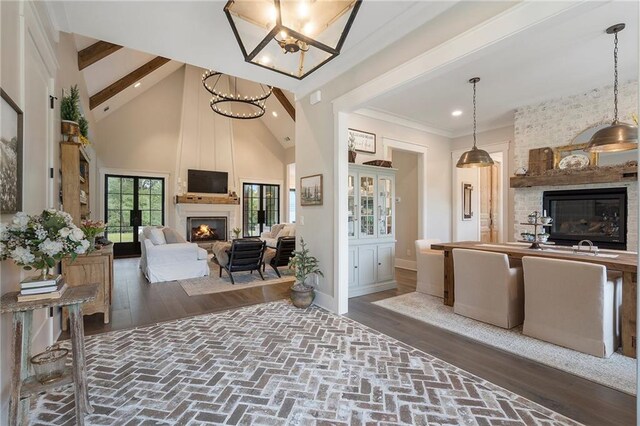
x=599, y=215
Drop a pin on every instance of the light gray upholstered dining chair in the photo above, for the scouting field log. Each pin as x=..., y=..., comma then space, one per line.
x=572, y=304
x=487, y=288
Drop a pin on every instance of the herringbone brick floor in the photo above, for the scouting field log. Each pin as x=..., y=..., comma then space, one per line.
x=273, y=364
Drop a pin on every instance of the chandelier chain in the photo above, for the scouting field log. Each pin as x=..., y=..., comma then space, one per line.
x=615, y=77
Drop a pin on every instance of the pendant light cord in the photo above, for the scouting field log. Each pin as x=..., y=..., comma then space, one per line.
x=615, y=77
x=474, y=114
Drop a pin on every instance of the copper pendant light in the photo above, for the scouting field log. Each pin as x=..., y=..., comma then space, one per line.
x=619, y=136
x=475, y=157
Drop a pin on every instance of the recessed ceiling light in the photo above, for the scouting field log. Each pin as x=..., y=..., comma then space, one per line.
x=137, y=85
x=275, y=114
x=457, y=113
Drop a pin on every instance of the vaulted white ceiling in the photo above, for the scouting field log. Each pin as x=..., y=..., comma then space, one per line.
x=551, y=60
x=197, y=33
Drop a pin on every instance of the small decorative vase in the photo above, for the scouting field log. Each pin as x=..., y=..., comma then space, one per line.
x=92, y=244
x=302, y=297
x=352, y=156
x=46, y=274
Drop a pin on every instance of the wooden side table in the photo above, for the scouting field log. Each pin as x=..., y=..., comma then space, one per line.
x=24, y=386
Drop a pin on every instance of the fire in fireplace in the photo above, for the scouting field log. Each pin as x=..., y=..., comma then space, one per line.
x=206, y=229
x=599, y=215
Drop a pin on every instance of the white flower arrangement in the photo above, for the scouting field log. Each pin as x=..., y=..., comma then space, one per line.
x=41, y=241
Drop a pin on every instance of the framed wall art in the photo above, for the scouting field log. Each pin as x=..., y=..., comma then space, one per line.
x=311, y=190
x=362, y=141
x=11, y=121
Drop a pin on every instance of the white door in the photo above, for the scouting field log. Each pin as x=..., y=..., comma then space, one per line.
x=386, y=258
x=367, y=265
x=353, y=265
x=37, y=148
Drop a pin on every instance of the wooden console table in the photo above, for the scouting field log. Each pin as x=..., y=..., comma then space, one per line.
x=625, y=263
x=94, y=267
x=23, y=386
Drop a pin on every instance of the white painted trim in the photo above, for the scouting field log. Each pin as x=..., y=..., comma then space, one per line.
x=324, y=301
x=514, y=20
x=142, y=173
x=481, y=129
x=388, y=144
x=377, y=114
x=287, y=188
x=341, y=214
x=39, y=34
x=410, y=265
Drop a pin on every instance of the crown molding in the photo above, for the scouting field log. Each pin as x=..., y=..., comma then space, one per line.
x=401, y=121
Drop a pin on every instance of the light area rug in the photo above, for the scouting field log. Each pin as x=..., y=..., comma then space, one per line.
x=274, y=364
x=617, y=372
x=214, y=284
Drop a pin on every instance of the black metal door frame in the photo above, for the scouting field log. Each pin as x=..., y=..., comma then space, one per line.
x=131, y=249
x=262, y=210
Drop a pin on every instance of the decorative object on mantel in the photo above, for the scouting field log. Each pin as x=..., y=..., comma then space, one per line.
x=40, y=242
x=540, y=160
x=11, y=124
x=520, y=171
x=294, y=38
x=618, y=136
x=235, y=102
x=572, y=156
x=362, y=141
x=378, y=163
x=206, y=199
x=475, y=157
x=305, y=265
x=627, y=172
x=70, y=113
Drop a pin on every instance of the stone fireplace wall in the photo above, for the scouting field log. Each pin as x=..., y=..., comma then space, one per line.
x=555, y=123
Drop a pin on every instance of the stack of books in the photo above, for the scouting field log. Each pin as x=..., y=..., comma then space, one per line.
x=38, y=289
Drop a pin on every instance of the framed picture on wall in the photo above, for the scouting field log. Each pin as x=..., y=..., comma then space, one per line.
x=11, y=119
x=467, y=188
x=311, y=190
x=362, y=141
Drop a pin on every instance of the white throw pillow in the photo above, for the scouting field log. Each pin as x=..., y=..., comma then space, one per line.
x=285, y=232
x=156, y=235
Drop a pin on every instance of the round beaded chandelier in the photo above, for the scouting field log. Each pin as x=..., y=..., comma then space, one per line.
x=234, y=101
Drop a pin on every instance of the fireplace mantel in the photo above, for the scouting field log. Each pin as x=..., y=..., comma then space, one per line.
x=579, y=177
x=186, y=210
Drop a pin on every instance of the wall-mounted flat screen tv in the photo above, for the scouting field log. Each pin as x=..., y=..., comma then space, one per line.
x=207, y=182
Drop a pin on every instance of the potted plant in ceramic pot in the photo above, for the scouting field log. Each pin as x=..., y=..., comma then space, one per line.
x=302, y=292
x=70, y=113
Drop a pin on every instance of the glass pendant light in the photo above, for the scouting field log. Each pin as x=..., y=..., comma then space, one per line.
x=618, y=136
x=475, y=157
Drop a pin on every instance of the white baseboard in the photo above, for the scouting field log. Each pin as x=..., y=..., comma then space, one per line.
x=406, y=264
x=325, y=301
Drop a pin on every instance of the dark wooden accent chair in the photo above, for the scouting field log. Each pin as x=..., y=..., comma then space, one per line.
x=244, y=255
x=284, y=251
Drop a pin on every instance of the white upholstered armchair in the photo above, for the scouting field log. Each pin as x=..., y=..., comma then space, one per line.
x=166, y=256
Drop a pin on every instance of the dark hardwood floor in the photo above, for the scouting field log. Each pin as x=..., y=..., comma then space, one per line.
x=137, y=303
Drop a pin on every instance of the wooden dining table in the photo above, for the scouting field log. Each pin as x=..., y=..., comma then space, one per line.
x=625, y=262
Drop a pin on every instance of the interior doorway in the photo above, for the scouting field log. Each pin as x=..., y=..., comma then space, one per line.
x=406, y=221
x=489, y=198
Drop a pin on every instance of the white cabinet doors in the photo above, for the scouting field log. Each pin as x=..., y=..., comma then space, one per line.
x=367, y=266
x=352, y=205
x=353, y=267
x=386, y=260
x=367, y=205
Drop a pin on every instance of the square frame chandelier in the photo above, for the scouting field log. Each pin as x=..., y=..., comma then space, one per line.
x=291, y=37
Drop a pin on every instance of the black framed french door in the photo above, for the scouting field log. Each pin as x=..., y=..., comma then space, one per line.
x=260, y=208
x=132, y=202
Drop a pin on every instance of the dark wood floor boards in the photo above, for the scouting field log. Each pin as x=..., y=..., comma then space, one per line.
x=137, y=303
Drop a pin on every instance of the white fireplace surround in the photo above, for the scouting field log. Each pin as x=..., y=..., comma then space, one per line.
x=230, y=211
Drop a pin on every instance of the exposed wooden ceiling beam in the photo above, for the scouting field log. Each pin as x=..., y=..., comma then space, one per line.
x=126, y=81
x=95, y=52
x=285, y=102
